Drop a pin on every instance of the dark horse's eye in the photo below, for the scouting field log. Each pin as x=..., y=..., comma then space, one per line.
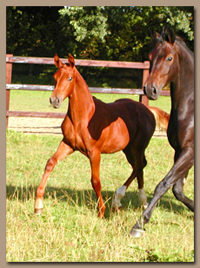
x=169, y=58
x=70, y=78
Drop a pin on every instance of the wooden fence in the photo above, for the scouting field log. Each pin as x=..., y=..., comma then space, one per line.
x=10, y=59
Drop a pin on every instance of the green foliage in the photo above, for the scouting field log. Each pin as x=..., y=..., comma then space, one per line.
x=88, y=22
x=33, y=31
x=121, y=33
x=94, y=32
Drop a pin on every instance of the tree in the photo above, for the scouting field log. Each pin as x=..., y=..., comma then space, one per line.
x=123, y=33
x=33, y=31
x=95, y=32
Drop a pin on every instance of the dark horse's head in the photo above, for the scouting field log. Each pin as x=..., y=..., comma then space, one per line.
x=164, y=63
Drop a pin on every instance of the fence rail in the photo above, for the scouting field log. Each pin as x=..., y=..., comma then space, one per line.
x=10, y=59
x=92, y=89
x=89, y=63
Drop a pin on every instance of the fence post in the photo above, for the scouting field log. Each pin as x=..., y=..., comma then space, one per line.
x=143, y=98
x=8, y=81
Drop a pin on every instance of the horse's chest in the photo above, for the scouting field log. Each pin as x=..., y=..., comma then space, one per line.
x=73, y=135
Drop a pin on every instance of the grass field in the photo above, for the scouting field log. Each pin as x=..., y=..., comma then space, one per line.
x=21, y=100
x=68, y=230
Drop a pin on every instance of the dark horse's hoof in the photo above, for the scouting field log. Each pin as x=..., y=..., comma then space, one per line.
x=137, y=233
x=38, y=211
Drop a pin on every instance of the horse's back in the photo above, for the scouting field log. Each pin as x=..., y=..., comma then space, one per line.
x=136, y=108
x=121, y=123
x=137, y=117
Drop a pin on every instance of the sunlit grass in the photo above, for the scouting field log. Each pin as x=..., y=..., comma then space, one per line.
x=23, y=100
x=68, y=230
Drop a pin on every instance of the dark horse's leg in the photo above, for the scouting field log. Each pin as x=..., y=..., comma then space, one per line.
x=178, y=189
x=177, y=173
x=62, y=151
x=178, y=193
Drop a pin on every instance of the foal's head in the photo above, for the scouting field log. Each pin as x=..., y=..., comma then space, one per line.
x=64, y=81
x=164, y=64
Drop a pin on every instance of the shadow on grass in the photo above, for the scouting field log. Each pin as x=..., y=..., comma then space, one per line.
x=88, y=197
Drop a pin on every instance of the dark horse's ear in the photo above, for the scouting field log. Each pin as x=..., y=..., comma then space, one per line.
x=155, y=38
x=168, y=35
x=57, y=61
x=71, y=60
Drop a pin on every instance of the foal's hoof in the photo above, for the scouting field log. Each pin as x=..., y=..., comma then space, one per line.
x=137, y=233
x=115, y=209
x=38, y=211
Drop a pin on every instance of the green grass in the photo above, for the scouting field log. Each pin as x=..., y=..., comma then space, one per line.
x=68, y=230
x=21, y=100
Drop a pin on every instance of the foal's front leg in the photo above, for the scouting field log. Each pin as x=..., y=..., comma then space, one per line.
x=95, y=157
x=62, y=151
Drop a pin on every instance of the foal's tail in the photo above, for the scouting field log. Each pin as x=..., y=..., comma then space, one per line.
x=161, y=117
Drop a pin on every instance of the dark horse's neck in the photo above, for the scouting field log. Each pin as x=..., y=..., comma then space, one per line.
x=81, y=103
x=183, y=86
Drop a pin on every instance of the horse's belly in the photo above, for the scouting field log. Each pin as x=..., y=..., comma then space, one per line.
x=116, y=146
x=116, y=138
x=112, y=139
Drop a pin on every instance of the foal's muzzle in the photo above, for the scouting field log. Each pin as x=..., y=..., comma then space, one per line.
x=55, y=102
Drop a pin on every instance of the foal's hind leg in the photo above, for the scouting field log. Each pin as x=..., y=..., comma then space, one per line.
x=141, y=195
x=120, y=193
x=137, y=166
x=62, y=151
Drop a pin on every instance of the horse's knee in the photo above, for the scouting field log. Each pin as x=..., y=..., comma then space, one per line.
x=50, y=164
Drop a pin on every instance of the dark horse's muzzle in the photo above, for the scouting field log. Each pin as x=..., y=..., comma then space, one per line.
x=151, y=92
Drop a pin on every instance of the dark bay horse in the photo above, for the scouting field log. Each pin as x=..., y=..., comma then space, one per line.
x=94, y=127
x=172, y=62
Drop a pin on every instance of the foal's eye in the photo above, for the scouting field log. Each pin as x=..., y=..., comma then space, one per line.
x=169, y=58
x=70, y=79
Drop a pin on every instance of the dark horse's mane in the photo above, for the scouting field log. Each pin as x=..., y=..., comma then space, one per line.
x=157, y=38
x=182, y=43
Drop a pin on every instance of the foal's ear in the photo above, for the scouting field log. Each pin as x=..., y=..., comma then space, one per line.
x=71, y=60
x=57, y=61
x=168, y=35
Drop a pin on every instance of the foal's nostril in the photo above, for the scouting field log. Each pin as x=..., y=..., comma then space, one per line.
x=57, y=101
